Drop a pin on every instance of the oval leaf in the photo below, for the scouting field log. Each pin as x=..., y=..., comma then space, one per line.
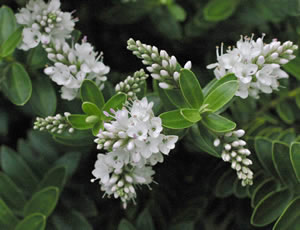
x=125, y=225
x=116, y=102
x=54, y=177
x=17, y=84
x=218, y=123
x=215, y=83
x=295, y=158
x=218, y=10
x=78, y=121
x=7, y=218
x=11, y=43
x=263, y=189
x=191, y=115
x=89, y=92
x=174, y=120
x=221, y=95
x=176, y=97
x=8, y=23
x=35, y=221
x=43, y=202
x=270, y=208
x=190, y=88
x=224, y=186
x=91, y=109
x=144, y=221
x=290, y=218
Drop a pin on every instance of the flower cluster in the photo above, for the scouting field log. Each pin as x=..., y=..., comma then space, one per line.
x=132, y=85
x=74, y=64
x=43, y=23
x=53, y=124
x=255, y=64
x=134, y=143
x=235, y=152
x=162, y=67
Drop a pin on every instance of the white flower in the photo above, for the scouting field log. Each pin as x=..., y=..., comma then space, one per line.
x=255, y=64
x=45, y=21
x=102, y=170
x=168, y=143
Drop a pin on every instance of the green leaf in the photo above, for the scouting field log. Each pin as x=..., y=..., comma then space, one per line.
x=10, y=192
x=188, y=225
x=70, y=161
x=167, y=104
x=78, y=138
x=270, y=207
x=263, y=149
x=11, y=43
x=7, y=218
x=35, y=221
x=218, y=123
x=295, y=158
x=176, y=97
x=116, y=102
x=8, y=23
x=191, y=115
x=55, y=177
x=203, y=139
x=17, y=169
x=89, y=92
x=174, y=120
x=44, y=202
x=263, y=189
x=37, y=58
x=224, y=186
x=290, y=218
x=43, y=100
x=191, y=88
x=213, y=84
x=17, y=84
x=218, y=10
x=91, y=109
x=298, y=100
x=282, y=162
x=293, y=68
x=285, y=112
x=221, y=95
x=239, y=190
x=177, y=11
x=78, y=121
x=125, y=225
x=144, y=221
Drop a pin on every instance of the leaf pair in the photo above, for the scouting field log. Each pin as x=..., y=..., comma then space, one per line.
x=94, y=108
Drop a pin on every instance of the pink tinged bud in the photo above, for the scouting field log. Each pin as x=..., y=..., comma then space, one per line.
x=173, y=62
x=164, y=54
x=112, y=110
x=117, y=144
x=227, y=147
x=164, y=73
x=156, y=76
x=60, y=57
x=128, y=179
x=107, y=144
x=122, y=134
x=242, y=142
x=233, y=154
x=131, y=188
x=274, y=56
x=164, y=85
x=106, y=113
x=120, y=184
x=283, y=61
x=239, y=133
x=164, y=63
x=217, y=142
x=235, y=144
x=153, y=56
x=188, y=65
x=113, y=179
x=289, y=51
x=150, y=69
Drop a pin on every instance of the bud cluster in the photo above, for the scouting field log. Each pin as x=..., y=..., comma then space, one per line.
x=53, y=124
x=162, y=67
x=235, y=153
x=132, y=85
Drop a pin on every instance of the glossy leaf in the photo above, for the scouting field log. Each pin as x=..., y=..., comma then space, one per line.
x=190, y=88
x=125, y=225
x=11, y=43
x=7, y=218
x=116, y=102
x=72, y=220
x=218, y=123
x=43, y=100
x=188, y=225
x=11, y=194
x=35, y=221
x=78, y=121
x=191, y=115
x=292, y=67
x=17, y=84
x=263, y=149
x=282, y=162
x=37, y=58
x=78, y=138
x=44, y=202
x=17, y=169
x=176, y=97
x=263, y=189
x=174, y=120
x=8, y=23
x=218, y=10
x=213, y=84
x=285, y=112
x=91, y=109
x=239, y=190
x=270, y=208
x=295, y=158
x=177, y=11
x=89, y=92
x=69, y=161
x=221, y=95
x=290, y=218
x=167, y=104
